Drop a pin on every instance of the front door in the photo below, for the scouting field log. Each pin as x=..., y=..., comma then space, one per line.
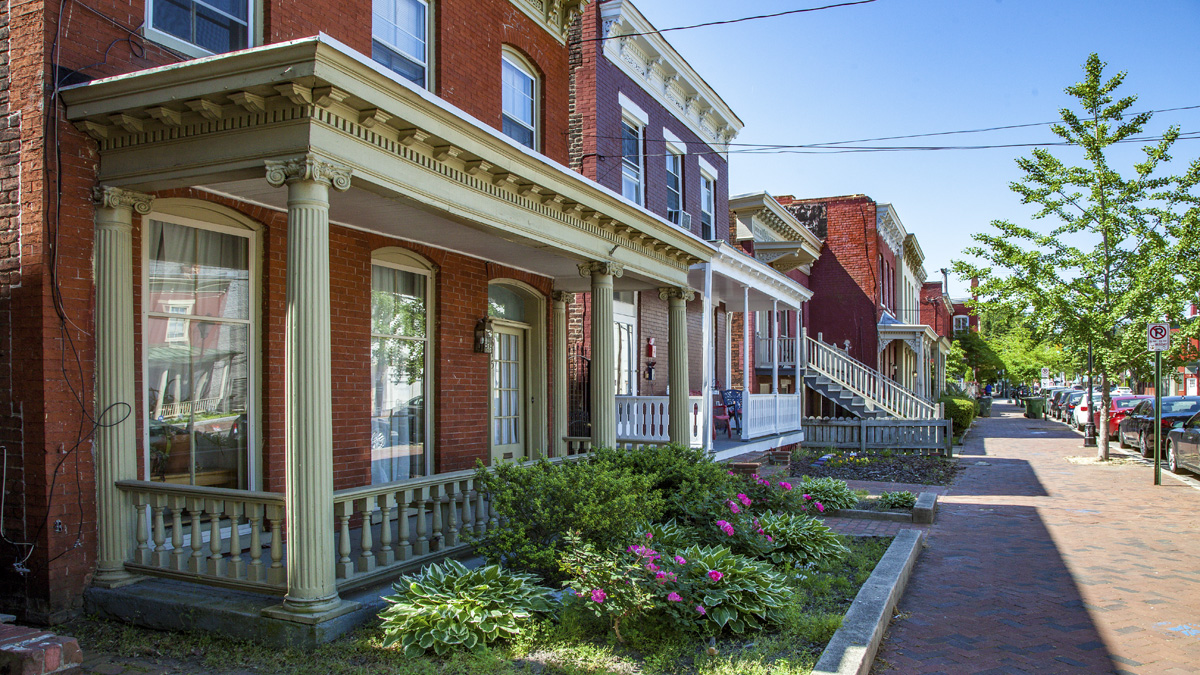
x=508, y=394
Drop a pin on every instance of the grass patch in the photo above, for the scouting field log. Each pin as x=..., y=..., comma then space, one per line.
x=820, y=598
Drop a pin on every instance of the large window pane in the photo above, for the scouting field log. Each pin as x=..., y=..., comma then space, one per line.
x=206, y=271
x=398, y=383
x=631, y=162
x=397, y=302
x=517, y=91
x=398, y=29
x=216, y=26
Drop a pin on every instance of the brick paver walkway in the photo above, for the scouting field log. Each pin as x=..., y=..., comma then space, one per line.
x=1037, y=564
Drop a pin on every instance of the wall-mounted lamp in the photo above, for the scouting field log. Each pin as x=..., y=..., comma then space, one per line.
x=483, y=336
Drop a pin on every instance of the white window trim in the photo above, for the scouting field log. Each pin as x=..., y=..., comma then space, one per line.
x=674, y=142
x=520, y=63
x=633, y=110
x=254, y=322
x=641, y=134
x=966, y=323
x=712, y=215
x=627, y=313
x=428, y=56
x=387, y=258
x=709, y=169
x=672, y=151
x=167, y=40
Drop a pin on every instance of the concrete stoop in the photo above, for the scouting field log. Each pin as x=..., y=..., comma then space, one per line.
x=29, y=651
x=852, y=649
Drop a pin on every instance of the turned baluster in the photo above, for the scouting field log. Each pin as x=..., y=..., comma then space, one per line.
x=480, y=512
x=345, y=567
x=468, y=523
x=452, y=495
x=405, y=547
x=142, y=554
x=386, y=555
x=236, y=566
x=159, y=531
x=255, y=571
x=216, y=565
x=276, y=575
x=366, y=557
x=178, y=554
x=421, y=547
x=196, y=562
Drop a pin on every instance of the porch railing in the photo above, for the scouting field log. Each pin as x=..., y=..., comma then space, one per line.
x=767, y=414
x=215, y=536
x=762, y=351
x=868, y=435
x=185, y=408
x=643, y=419
x=867, y=382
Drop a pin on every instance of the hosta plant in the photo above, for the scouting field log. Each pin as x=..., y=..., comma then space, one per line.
x=665, y=536
x=831, y=492
x=448, y=606
x=799, y=539
x=613, y=585
x=898, y=500
x=714, y=589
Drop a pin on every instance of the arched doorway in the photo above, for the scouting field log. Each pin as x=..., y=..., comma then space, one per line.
x=517, y=377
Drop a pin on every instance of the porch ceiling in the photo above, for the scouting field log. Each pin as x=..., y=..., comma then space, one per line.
x=734, y=271
x=421, y=169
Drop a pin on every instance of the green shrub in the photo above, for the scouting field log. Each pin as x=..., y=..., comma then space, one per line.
x=448, y=606
x=680, y=475
x=800, y=539
x=960, y=410
x=770, y=496
x=538, y=502
x=668, y=536
x=609, y=584
x=898, y=500
x=718, y=589
x=830, y=492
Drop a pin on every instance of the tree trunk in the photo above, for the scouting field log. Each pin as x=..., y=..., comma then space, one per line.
x=1105, y=404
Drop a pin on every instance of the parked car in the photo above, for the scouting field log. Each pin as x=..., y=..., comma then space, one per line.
x=1138, y=426
x=1060, y=401
x=1083, y=410
x=1118, y=407
x=1053, y=397
x=1183, y=446
x=1072, y=400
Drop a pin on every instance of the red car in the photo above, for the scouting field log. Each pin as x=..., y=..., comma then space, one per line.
x=1118, y=408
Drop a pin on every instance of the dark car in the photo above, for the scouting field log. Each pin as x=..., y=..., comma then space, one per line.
x=1138, y=426
x=1059, y=400
x=1183, y=446
x=1071, y=400
x=1118, y=407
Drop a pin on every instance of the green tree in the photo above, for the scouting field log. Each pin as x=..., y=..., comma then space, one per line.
x=1109, y=264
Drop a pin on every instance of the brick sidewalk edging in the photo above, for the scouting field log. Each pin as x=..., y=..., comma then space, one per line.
x=852, y=649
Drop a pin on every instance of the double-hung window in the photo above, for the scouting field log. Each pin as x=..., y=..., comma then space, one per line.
x=707, y=206
x=399, y=38
x=631, y=160
x=199, y=364
x=674, y=185
x=519, y=94
x=399, y=354
x=200, y=27
x=961, y=324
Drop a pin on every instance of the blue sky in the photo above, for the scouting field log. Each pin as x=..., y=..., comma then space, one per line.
x=897, y=67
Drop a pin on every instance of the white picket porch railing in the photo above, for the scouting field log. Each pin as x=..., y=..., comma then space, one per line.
x=646, y=419
x=762, y=351
x=867, y=382
x=766, y=414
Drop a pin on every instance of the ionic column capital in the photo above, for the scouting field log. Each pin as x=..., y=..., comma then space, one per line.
x=676, y=293
x=308, y=167
x=614, y=269
x=108, y=197
x=562, y=296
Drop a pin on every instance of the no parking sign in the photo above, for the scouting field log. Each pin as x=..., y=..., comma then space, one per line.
x=1158, y=337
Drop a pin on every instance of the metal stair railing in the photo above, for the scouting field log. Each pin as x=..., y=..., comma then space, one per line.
x=867, y=382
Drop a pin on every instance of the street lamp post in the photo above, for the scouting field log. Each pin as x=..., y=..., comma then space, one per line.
x=1089, y=433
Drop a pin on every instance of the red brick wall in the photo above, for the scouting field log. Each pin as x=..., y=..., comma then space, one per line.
x=933, y=309
x=285, y=20
x=471, y=36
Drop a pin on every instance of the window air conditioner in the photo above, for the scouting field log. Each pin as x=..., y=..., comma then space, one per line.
x=685, y=220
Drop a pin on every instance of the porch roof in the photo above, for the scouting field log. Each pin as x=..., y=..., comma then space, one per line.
x=422, y=169
x=732, y=271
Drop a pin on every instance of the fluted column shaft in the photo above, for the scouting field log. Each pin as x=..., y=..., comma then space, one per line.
x=561, y=401
x=679, y=414
x=311, y=585
x=603, y=381
x=115, y=441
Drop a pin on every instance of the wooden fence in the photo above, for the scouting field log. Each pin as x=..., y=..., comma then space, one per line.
x=874, y=435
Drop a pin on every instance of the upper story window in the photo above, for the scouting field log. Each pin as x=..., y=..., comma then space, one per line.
x=631, y=160
x=519, y=91
x=398, y=38
x=199, y=363
x=961, y=323
x=674, y=160
x=708, y=188
x=200, y=27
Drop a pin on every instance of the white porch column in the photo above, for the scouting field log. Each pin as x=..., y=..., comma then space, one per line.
x=679, y=413
x=775, y=346
x=708, y=348
x=561, y=402
x=603, y=386
x=115, y=441
x=800, y=347
x=745, y=351
x=311, y=587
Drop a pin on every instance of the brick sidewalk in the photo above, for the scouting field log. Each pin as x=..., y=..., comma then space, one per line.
x=1040, y=565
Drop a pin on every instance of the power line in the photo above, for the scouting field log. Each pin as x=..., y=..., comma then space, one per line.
x=729, y=21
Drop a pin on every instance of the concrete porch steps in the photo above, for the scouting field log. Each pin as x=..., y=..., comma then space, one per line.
x=852, y=402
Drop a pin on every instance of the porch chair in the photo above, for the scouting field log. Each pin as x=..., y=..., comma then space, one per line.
x=720, y=416
x=732, y=400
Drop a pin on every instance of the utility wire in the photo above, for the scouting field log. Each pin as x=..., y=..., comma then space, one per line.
x=729, y=21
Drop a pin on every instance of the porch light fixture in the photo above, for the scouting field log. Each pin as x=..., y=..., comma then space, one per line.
x=483, y=336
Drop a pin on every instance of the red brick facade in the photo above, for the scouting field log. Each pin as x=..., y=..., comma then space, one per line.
x=933, y=309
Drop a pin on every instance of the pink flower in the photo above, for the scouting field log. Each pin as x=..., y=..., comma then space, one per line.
x=661, y=576
x=700, y=608
x=649, y=535
x=744, y=499
x=725, y=527
x=733, y=507
x=808, y=496
x=715, y=575
x=769, y=539
x=731, y=473
x=820, y=507
x=674, y=597
x=679, y=560
x=598, y=595
x=632, y=549
x=651, y=567
x=785, y=486
x=759, y=531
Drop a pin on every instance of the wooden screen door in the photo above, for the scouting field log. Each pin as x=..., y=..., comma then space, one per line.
x=508, y=394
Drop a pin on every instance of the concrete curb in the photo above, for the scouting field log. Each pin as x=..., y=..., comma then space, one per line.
x=921, y=514
x=852, y=649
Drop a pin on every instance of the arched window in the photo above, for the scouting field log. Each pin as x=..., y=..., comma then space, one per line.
x=401, y=360
x=520, y=96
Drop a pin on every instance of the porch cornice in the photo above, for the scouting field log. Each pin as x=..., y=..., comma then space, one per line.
x=733, y=264
x=318, y=96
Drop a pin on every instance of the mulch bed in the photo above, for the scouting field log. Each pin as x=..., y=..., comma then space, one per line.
x=916, y=469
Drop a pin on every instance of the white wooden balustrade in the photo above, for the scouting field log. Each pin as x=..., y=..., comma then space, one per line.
x=762, y=351
x=766, y=414
x=867, y=382
x=643, y=419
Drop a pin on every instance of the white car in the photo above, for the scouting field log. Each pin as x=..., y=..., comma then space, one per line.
x=1079, y=417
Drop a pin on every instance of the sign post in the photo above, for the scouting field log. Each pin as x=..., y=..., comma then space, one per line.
x=1158, y=340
